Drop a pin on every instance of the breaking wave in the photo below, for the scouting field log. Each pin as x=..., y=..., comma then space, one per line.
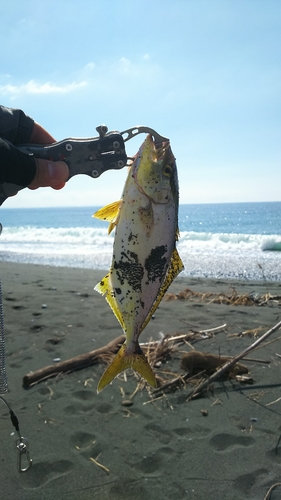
x=203, y=253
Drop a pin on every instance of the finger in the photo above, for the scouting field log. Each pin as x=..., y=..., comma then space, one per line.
x=40, y=136
x=53, y=174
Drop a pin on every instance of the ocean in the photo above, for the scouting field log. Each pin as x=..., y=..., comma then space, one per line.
x=233, y=240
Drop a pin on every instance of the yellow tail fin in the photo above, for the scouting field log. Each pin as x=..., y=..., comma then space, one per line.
x=121, y=362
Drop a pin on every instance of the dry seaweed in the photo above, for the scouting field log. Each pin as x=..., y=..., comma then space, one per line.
x=197, y=362
x=234, y=360
x=233, y=298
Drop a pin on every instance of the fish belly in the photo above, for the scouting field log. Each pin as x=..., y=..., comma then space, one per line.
x=144, y=242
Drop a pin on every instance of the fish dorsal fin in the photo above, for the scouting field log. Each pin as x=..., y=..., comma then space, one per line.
x=109, y=213
x=175, y=267
x=104, y=288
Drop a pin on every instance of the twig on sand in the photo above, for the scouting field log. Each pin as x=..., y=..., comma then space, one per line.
x=100, y=465
x=268, y=495
x=230, y=363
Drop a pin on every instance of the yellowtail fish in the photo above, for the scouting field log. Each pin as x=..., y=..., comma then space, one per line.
x=145, y=260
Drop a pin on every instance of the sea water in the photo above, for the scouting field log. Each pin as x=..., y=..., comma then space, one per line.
x=234, y=240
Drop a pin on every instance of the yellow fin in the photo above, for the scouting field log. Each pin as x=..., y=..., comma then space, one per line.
x=175, y=267
x=124, y=360
x=109, y=213
x=104, y=288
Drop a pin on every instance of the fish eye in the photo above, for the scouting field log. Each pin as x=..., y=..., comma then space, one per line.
x=167, y=170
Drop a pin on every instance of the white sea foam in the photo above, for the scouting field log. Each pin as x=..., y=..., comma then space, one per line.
x=203, y=253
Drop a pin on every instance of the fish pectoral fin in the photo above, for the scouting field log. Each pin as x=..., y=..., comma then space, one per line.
x=175, y=267
x=124, y=360
x=110, y=213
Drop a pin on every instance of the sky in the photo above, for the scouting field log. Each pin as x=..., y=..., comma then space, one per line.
x=205, y=73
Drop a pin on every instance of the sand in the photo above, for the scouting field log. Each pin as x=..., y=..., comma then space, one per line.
x=163, y=450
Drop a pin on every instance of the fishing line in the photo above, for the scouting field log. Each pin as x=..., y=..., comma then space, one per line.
x=3, y=376
x=24, y=460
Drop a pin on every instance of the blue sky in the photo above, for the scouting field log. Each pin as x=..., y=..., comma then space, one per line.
x=206, y=74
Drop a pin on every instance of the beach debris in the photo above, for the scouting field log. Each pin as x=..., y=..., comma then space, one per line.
x=249, y=332
x=156, y=351
x=83, y=360
x=127, y=402
x=160, y=351
x=233, y=299
x=145, y=260
x=268, y=495
x=103, y=467
x=226, y=366
x=244, y=379
x=195, y=362
x=205, y=413
x=88, y=382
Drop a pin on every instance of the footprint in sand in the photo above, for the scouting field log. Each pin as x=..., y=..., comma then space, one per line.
x=44, y=472
x=83, y=395
x=162, y=435
x=84, y=403
x=222, y=442
x=150, y=464
x=246, y=482
x=85, y=443
x=195, y=431
x=274, y=454
x=128, y=489
x=37, y=328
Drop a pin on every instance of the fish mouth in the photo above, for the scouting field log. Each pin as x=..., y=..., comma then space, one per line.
x=154, y=169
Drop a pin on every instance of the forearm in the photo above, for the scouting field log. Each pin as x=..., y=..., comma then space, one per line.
x=18, y=168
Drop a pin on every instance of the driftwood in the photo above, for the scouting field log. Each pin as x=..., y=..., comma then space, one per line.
x=76, y=363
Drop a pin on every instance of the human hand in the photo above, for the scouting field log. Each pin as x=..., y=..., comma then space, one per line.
x=49, y=173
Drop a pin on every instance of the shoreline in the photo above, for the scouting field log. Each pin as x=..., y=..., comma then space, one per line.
x=266, y=274
x=162, y=449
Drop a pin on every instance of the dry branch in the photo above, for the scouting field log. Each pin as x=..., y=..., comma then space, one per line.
x=76, y=363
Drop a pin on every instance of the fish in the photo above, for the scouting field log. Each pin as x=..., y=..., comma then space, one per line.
x=145, y=260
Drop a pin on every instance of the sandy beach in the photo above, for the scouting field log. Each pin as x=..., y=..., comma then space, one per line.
x=223, y=445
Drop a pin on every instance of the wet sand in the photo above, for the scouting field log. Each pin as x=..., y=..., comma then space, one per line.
x=162, y=450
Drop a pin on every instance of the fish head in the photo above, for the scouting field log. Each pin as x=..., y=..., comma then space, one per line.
x=155, y=173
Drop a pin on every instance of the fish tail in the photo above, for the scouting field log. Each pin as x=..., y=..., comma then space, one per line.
x=124, y=360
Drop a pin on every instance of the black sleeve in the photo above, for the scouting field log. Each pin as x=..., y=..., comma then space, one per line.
x=15, y=128
x=15, y=125
x=15, y=167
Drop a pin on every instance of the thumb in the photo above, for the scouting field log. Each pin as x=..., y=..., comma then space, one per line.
x=50, y=173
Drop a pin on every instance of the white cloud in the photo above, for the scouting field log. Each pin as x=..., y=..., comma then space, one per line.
x=123, y=75
x=33, y=87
